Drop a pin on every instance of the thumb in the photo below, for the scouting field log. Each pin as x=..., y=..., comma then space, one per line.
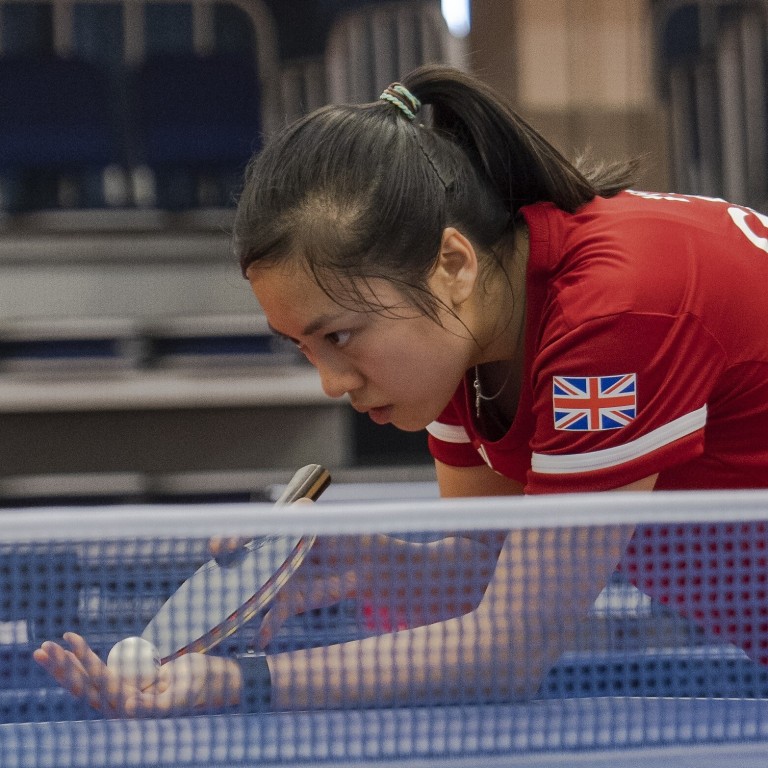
x=223, y=545
x=269, y=627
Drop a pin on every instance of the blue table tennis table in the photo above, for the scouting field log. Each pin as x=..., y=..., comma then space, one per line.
x=616, y=732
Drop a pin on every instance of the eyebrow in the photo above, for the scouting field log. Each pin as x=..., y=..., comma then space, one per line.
x=276, y=332
x=311, y=328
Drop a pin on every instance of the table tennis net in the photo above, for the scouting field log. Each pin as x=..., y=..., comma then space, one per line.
x=448, y=628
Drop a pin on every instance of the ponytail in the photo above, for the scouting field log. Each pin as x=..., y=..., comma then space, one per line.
x=519, y=163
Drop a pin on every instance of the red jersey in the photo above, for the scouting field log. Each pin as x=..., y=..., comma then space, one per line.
x=646, y=351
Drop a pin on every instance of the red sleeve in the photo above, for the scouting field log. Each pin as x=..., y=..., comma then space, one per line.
x=448, y=439
x=618, y=399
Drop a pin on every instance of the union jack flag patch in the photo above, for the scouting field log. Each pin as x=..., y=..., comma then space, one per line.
x=594, y=403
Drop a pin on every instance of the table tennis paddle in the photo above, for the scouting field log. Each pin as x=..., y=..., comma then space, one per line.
x=225, y=593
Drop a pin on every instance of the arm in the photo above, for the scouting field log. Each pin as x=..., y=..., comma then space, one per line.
x=479, y=640
x=401, y=581
x=474, y=481
x=646, y=484
x=397, y=582
x=539, y=592
x=466, y=559
x=483, y=481
x=525, y=620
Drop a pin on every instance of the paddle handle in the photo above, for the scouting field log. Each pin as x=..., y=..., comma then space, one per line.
x=308, y=483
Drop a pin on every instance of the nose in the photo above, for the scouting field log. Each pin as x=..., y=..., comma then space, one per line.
x=337, y=378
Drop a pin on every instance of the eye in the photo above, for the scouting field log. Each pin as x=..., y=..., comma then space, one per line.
x=339, y=338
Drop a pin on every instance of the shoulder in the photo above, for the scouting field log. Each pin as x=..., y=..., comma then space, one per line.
x=624, y=254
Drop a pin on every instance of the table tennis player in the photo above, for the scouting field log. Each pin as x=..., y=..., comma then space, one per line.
x=554, y=330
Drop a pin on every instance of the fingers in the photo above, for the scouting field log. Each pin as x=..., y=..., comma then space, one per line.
x=68, y=670
x=222, y=545
x=273, y=619
x=186, y=684
x=104, y=690
x=62, y=666
x=301, y=595
x=85, y=676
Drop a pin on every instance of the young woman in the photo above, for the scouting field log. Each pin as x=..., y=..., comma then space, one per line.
x=553, y=330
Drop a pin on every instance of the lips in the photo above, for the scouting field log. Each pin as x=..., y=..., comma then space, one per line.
x=381, y=415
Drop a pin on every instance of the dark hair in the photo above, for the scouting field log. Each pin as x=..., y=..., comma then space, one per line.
x=363, y=192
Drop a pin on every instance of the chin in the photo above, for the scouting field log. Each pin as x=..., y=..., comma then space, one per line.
x=410, y=425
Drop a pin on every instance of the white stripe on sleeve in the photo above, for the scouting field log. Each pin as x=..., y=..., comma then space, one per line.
x=563, y=464
x=448, y=433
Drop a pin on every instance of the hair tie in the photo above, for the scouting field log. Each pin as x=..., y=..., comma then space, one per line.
x=402, y=98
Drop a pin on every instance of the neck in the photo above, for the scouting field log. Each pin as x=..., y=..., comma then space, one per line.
x=501, y=312
x=499, y=361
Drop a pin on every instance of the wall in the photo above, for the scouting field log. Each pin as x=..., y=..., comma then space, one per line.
x=581, y=71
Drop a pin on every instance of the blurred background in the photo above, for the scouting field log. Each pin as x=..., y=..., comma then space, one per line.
x=134, y=362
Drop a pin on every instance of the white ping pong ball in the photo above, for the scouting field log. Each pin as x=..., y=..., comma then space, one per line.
x=135, y=660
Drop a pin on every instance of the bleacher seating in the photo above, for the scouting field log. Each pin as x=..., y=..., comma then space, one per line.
x=713, y=68
x=176, y=95
x=130, y=349
x=67, y=129
x=377, y=44
x=144, y=86
x=195, y=117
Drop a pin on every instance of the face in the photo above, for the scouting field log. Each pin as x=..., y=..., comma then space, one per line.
x=398, y=366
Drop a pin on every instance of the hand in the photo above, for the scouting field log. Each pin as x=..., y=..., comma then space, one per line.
x=193, y=682
x=397, y=584
x=327, y=576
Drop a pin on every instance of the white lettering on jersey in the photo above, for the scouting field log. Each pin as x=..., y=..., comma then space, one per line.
x=739, y=214
x=673, y=196
x=740, y=218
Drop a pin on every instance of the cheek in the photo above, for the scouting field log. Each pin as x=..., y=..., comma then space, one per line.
x=419, y=367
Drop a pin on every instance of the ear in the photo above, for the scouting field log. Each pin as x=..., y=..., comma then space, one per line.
x=455, y=273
